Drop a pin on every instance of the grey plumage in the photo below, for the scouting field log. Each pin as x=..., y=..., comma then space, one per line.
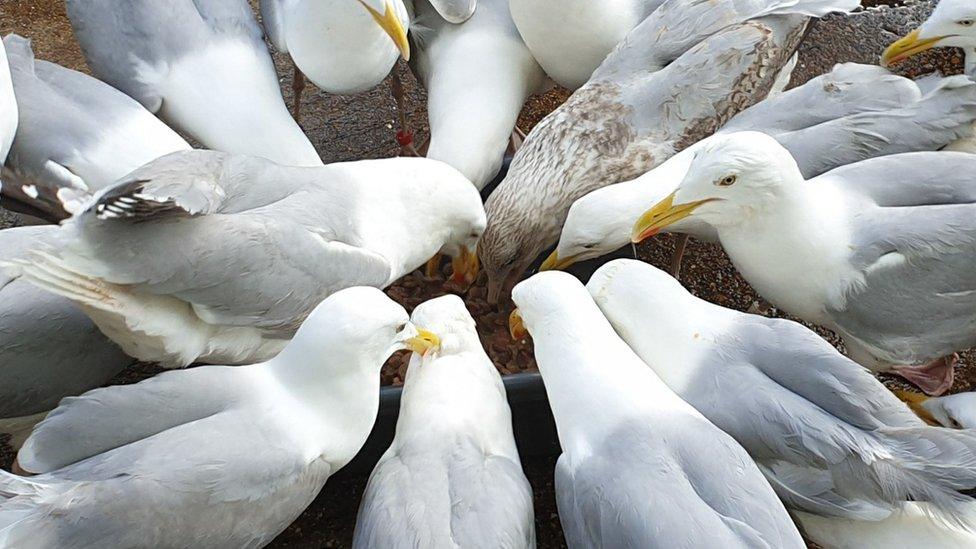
x=680, y=75
x=238, y=247
x=76, y=134
x=200, y=65
x=452, y=476
x=831, y=438
x=49, y=349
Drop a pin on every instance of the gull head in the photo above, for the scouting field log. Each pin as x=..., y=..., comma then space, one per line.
x=954, y=411
x=732, y=179
x=361, y=323
x=953, y=23
x=591, y=230
x=547, y=298
x=506, y=252
x=450, y=320
x=462, y=245
x=392, y=17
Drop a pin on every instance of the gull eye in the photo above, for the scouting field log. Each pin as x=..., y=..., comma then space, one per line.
x=967, y=22
x=727, y=181
x=401, y=327
x=589, y=246
x=955, y=424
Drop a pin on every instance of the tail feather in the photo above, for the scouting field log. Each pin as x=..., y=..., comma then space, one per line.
x=147, y=327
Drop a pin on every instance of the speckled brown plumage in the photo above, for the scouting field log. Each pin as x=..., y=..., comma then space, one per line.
x=627, y=120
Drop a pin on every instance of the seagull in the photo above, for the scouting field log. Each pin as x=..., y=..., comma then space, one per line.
x=640, y=467
x=213, y=456
x=882, y=252
x=8, y=107
x=478, y=76
x=452, y=476
x=853, y=113
x=201, y=66
x=217, y=258
x=570, y=38
x=952, y=23
x=77, y=135
x=342, y=46
x=956, y=411
x=49, y=349
x=832, y=440
x=678, y=76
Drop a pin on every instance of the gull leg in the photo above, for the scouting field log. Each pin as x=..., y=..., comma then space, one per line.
x=679, y=252
x=297, y=87
x=935, y=378
x=405, y=135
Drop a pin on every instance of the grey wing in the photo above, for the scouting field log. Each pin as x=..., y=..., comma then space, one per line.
x=915, y=247
x=455, y=11
x=128, y=44
x=223, y=481
x=48, y=348
x=678, y=25
x=805, y=364
x=462, y=496
x=691, y=97
x=690, y=487
x=939, y=117
x=104, y=419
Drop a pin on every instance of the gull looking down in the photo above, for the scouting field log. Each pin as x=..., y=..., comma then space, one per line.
x=883, y=252
x=832, y=439
x=213, y=456
x=640, y=467
x=452, y=476
x=210, y=257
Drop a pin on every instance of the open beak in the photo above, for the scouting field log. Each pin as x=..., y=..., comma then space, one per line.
x=914, y=401
x=908, y=46
x=391, y=24
x=465, y=267
x=516, y=327
x=555, y=263
x=663, y=214
x=423, y=342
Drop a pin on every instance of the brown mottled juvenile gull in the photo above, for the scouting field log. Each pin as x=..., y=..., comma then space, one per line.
x=200, y=65
x=679, y=75
x=211, y=257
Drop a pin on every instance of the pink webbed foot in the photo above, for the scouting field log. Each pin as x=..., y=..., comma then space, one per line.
x=934, y=378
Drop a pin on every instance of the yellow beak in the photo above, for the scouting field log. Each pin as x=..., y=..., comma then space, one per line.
x=516, y=327
x=424, y=341
x=906, y=47
x=433, y=267
x=555, y=263
x=914, y=401
x=391, y=24
x=663, y=214
x=465, y=267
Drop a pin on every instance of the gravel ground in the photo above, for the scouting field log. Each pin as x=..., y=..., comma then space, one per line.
x=362, y=126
